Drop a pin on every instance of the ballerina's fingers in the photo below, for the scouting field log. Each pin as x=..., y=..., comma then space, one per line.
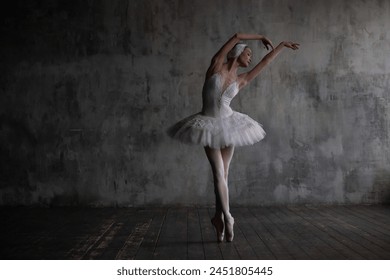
x=295, y=46
x=292, y=45
x=267, y=42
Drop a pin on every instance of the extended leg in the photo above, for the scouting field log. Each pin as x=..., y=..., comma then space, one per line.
x=220, y=162
x=216, y=161
x=227, y=155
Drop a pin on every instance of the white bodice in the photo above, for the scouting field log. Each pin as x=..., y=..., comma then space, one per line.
x=216, y=102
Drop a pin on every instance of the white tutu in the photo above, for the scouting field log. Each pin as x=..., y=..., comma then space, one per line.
x=235, y=130
x=218, y=126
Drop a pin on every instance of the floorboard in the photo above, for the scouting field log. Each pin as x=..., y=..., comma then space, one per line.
x=342, y=223
x=311, y=232
x=172, y=243
x=319, y=226
x=340, y=232
x=194, y=240
x=146, y=250
x=267, y=233
x=307, y=231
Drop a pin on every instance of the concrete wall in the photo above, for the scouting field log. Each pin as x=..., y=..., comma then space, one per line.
x=88, y=88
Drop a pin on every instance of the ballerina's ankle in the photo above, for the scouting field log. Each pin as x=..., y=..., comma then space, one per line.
x=229, y=219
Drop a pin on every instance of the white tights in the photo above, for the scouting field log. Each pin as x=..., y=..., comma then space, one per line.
x=220, y=160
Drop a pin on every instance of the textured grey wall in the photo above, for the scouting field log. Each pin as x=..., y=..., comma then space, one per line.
x=88, y=88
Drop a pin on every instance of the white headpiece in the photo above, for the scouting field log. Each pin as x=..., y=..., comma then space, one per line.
x=236, y=51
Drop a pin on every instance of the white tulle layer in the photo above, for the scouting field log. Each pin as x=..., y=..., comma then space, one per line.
x=235, y=130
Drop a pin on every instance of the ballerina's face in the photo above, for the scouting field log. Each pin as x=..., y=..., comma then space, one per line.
x=245, y=57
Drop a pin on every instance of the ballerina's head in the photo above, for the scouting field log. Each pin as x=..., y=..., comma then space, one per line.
x=242, y=53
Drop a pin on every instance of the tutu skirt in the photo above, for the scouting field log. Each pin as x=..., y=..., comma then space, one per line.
x=237, y=129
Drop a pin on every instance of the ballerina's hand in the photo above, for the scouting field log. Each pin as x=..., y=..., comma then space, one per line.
x=291, y=45
x=267, y=42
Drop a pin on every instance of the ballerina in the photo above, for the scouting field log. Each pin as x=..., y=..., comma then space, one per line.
x=217, y=127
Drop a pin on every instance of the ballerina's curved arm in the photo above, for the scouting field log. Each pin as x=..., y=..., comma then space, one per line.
x=245, y=78
x=219, y=58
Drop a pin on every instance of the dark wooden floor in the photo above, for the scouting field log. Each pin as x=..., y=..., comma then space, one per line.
x=299, y=232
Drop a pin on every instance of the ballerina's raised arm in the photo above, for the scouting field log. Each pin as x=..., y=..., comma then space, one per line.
x=219, y=58
x=245, y=78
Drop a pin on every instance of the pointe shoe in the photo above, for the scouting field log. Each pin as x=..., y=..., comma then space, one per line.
x=229, y=229
x=219, y=227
